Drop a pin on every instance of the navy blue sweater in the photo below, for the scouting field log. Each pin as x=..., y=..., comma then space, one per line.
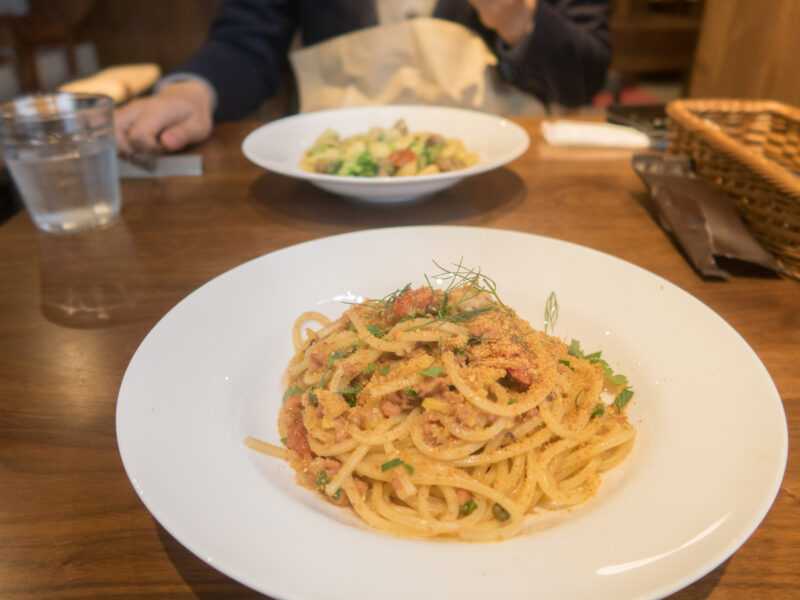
x=564, y=60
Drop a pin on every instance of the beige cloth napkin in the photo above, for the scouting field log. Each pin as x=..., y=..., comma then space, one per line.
x=418, y=61
x=121, y=82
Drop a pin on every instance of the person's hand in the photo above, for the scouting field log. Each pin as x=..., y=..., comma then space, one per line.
x=511, y=19
x=179, y=115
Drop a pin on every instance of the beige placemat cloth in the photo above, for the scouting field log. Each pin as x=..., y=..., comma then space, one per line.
x=419, y=61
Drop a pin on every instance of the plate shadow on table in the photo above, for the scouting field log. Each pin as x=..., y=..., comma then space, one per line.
x=473, y=200
x=206, y=582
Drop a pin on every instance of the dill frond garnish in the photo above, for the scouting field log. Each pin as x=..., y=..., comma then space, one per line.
x=449, y=310
x=387, y=300
x=550, y=313
x=473, y=278
x=447, y=307
x=520, y=339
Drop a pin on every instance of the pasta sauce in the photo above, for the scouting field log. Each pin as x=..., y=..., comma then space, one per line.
x=441, y=413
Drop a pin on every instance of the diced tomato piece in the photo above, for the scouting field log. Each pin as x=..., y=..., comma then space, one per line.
x=413, y=301
x=297, y=439
x=402, y=157
x=521, y=376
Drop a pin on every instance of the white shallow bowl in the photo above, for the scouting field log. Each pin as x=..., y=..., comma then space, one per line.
x=704, y=471
x=279, y=146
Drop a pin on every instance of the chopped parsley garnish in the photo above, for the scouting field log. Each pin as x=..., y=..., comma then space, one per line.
x=500, y=513
x=323, y=479
x=376, y=330
x=283, y=441
x=312, y=397
x=337, y=495
x=395, y=462
x=623, y=398
x=598, y=411
x=468, y=507
x=411, y=393
x=370, y=368
x=432, y=371
x=512, y=400
x=594, y=357
x=331, y=357
x=350, y=394
x=566, y=362
x=291, y=391
x=616, y=379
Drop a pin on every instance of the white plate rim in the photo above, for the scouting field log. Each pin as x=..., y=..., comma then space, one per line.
x=132, y=386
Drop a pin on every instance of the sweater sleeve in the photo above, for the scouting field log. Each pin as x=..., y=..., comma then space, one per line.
x=245, y=54
x=565, y=58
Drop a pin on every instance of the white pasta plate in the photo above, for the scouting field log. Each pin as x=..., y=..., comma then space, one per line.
x=278, y=146
x=704, y=471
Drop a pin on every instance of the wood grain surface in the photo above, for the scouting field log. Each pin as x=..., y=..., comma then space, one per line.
x=745, y=51
x=74, y=309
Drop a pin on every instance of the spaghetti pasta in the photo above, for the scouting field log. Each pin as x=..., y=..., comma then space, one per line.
x=441, y=413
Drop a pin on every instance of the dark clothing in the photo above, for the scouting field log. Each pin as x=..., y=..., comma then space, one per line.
x=564, y=60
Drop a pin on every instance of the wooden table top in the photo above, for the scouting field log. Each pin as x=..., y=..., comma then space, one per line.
x=71, y=524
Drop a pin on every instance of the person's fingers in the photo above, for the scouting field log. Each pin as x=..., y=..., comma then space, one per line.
x=511, y=19
x=194, y=129
x=123, y=146
x=181, y=112
x=123, y=118
x=159, y=113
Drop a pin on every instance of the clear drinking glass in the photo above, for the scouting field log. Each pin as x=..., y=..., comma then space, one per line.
x=61, y=153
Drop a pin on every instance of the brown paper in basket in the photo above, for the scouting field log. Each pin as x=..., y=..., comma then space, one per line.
x=703, y=221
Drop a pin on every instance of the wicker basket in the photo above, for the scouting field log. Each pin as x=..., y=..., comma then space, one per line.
x=751, y=150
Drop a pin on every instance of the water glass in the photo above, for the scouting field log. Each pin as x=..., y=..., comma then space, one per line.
x=61, y=153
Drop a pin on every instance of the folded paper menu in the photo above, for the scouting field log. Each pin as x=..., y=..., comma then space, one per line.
x=703, y=221
x=121, y=82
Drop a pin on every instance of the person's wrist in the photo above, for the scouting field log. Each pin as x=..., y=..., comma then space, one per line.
x=194, y=92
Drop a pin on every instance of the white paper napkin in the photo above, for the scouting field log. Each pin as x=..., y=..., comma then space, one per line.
x=584, y=133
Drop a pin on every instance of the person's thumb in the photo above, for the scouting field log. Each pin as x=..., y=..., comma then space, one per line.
x=194, y=129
